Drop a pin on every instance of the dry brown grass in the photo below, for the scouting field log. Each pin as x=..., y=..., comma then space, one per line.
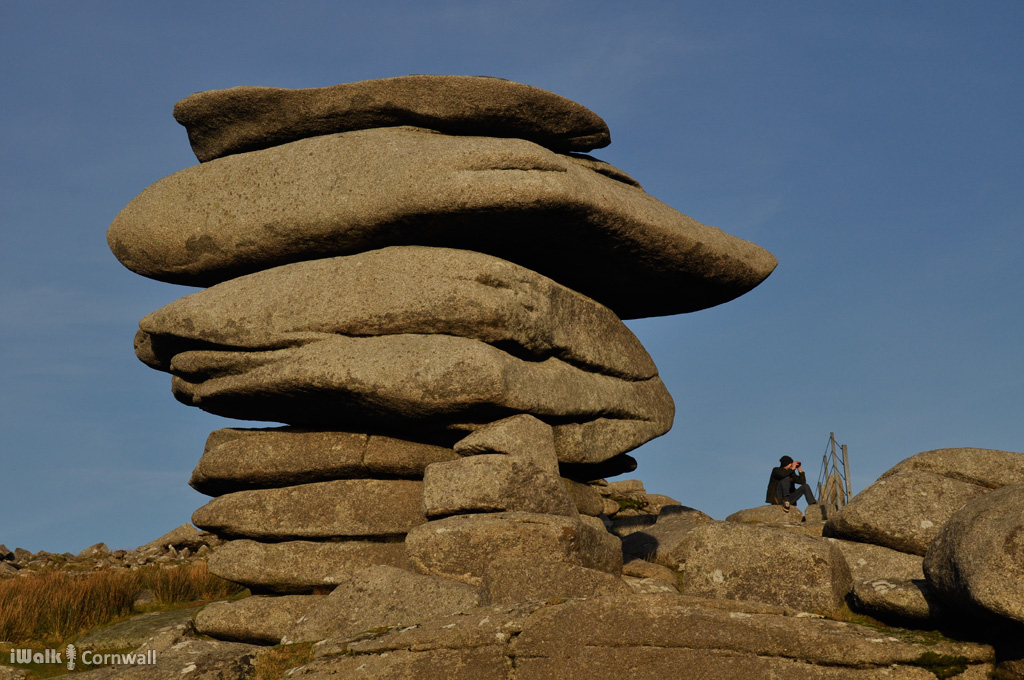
x=274, y=662
x=57, y=606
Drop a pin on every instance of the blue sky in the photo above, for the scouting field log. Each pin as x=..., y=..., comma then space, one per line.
x=875, y=148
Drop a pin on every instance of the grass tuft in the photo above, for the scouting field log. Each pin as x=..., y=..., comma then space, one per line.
x=273, y=662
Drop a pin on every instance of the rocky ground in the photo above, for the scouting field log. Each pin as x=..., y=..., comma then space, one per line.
x=762, y=594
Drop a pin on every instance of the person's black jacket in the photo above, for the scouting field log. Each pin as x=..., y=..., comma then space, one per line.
x=778, y=474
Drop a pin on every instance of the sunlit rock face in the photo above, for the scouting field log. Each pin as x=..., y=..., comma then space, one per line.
x=423, y=280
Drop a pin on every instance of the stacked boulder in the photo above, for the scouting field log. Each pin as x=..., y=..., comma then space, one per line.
x=936, y=539
x=423, y=278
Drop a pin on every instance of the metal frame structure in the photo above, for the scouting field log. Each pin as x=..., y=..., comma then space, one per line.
x=834, y=483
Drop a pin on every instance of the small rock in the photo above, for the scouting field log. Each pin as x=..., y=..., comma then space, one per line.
x=767, y=514
x=96, y=549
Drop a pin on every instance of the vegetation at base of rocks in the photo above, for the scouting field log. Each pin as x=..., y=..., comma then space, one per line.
x=942, y=666
x=630, y=503
x=272, y=663
x=58, y=606
x=911, y=635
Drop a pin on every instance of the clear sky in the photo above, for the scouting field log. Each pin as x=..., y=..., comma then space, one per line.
x=876, y=148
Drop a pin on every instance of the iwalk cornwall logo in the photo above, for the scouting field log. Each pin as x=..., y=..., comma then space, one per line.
x=88, y=658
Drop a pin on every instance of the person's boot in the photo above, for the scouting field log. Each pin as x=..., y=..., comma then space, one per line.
x=785, y=505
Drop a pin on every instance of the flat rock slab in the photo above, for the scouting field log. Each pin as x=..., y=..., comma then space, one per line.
x=461, y=547
x=903, y=511
x=641, y=637
x=300, y=566
x=257, y=620
x=869, y=562
x=431, y=382
x=990, y=468
x=238, y=459
x=735, y=561
x=976, y=563
x=903, y=601
x=179, y=654
x=494, y=482
x=136, y=630
x=401, y=289
x=222, y=122
x=378, y=597
x=341, y=508
x=577, y=222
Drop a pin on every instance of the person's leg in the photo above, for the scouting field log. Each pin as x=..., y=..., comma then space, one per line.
x=785, y=487
x=805, y=492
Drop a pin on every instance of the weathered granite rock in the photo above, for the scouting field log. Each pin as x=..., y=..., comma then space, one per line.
x=424, y=381
x=5, y=553
x=257, y=620
x=639, y=568
x=461, y=547
x=237, y=459
x=871, y=562
x=185, y=536
x=654, y=542
x=300, y=566
x=506, y=197
x=517, y=579
x=179, y=654
x=493, y=482
x=345, y=507
x=985, y=467
x=381, y=596
x=976, y=563
x=638, y=637
x=136, y=630
x=767, y=514
x=584, y=497
x=657, y=501
x=749, y=562
x=903, y=511
x=222, y=122
x=522, y=436
x=396, y=290
x=894, y=600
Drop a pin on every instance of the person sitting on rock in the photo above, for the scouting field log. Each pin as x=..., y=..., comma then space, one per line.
x=787, y=484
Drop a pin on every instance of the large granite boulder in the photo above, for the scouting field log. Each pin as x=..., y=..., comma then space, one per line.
x=976, y=563
x=903, y=511
x=654, y=538
x=345, y=507
x=462, y=546
x=222, y=122
x=398, y=290
x=989, y=468
x=872, y=562
x=734, y=561
x=493, y=482
x=586, y=228
x=436, y=382
x=300, y=566
x=381, y=596
x=517, y=579
x=650, y=637
x=257, y=620
x=238, y=459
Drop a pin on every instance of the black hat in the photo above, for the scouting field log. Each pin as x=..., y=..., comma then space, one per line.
x=785, y=460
